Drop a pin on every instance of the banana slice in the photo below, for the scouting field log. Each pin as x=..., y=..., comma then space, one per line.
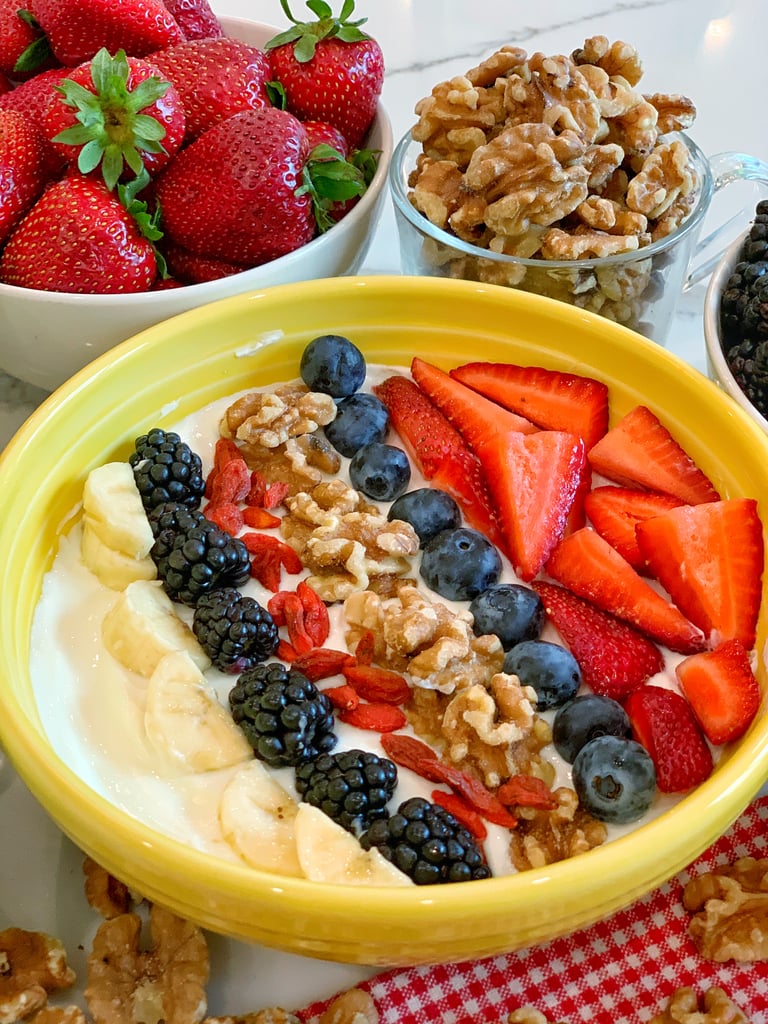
x=184, y=721
x=113, y=568
x=256, y=816
x=142, y=627
x=113, y=505
x=328, y=853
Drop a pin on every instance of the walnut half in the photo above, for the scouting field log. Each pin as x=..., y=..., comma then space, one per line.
x=730, y=911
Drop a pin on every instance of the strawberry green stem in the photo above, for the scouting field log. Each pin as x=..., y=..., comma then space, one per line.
x=329, y=179
x=305, y=35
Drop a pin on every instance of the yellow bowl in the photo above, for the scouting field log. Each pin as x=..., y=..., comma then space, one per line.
x=175, y=367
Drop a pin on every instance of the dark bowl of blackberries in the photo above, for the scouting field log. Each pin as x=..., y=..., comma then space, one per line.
x=736, y=319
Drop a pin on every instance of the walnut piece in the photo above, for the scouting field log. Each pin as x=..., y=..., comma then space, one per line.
x=130, y=985
x=269, y=418
x=269, y=1015
x=32, y=964
x=544, y=837
x=104, y=892
x=352, y=1007
x=614, y=58
x=716, y=1007
x=730, y=911
x=59, y=1015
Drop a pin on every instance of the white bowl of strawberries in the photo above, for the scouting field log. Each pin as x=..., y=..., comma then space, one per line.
x=86, y=260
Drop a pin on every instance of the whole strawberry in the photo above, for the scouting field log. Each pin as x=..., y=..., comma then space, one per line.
x=31, y=98
x=116, y=113
x=79, y=237
x=330, y=70
x=77, y=29
x=27, y=163
x=24, y=49
x=195, y=19
x=215, y=78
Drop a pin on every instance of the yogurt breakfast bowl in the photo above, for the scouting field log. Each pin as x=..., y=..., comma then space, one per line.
x=257, y=340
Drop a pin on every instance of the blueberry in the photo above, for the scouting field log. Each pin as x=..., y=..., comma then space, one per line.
x=332, y=365
x=360, y=419
x=511, y=611
x=550, y=669
x=460, y=564
x=614, y=779
x=585, y=718
x=428, y=510
x=380, y=471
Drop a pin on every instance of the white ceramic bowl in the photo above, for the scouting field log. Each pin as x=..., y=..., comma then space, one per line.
x=45, y=337
x=717, y=366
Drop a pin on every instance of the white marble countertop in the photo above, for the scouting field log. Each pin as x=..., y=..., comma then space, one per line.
x=711, y=50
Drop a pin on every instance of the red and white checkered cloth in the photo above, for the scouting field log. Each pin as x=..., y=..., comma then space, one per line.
x=622, y=969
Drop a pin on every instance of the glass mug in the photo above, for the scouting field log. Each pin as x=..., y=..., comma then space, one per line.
x=639, y=289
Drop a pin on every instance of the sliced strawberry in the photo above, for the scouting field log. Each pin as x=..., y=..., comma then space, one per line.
x=613, y=657
x=722, y=690
x=640, y=452
x=577, y=517
x=552, y=399
x=439, y=451
x=615, y=511
x=710, y=560
x=664, y=723
x=592, y=569
x=533, y=479
x=475, y=417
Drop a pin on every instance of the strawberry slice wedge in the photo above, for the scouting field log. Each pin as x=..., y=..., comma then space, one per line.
x=475, y=417
x=552, y=399
x=592, y=569
x=440, y=452
x=613, y=657
x=615, y=511
x=664, y=723
x=640, y=452
x=722, y=690
x=533, y=480
x=709, y=558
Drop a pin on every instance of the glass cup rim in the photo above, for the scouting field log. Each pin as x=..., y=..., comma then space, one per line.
x=397, y=182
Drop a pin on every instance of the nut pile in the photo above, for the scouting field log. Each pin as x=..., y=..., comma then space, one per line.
x=554, y=158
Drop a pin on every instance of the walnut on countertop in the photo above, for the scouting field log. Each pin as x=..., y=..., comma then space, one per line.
x=729, y=907
x=269, y=1015
x=545, y=837
x=108, y=896
x=716, y=1007
x=32, y=964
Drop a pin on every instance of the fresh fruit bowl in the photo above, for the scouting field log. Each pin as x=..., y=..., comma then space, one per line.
x=45, y=337
x=174, y=368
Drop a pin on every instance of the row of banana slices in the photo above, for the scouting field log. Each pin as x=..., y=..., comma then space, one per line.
x=185, y=723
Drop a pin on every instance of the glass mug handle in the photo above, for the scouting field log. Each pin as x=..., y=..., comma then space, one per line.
x=726, y=168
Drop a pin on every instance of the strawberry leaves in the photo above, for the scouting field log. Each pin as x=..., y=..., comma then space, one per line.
x=330, y=179
x=306, y=35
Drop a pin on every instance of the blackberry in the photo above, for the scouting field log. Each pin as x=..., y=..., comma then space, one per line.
x=234, y=630
x=193, y=556
x=748, y=362
x=427, y=843
x=284, y=716
x=352, y=787
x=175, y=517
x=166, y=469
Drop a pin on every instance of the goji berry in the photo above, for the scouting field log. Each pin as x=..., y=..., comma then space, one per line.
x=224, y=452
x=407, y=751
x=473, y=791
x=226, y=515
x=465, y=814
x=378, y=684
x=266, y=568
x=343, y=698
x=316, y=621
x=374, y=717
x=526, y=791
x=276, y=493
x=231, y=482
x=259, y=518
x=269, y=555
x=286, y=651
x=276, y=607
x=257, y=491
x=322, y=663
x=366, y=648
x=293, y=610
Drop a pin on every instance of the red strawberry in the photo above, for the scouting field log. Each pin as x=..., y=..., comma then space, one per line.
x=439, y=451
x=77, y=29
x=24, y=49
x=475, y=417
x=640, y=452
x=116, y=114
x=196, y=269
x=614, y=658
x=551, y=399
x=215, y=78
x=664, y=723
x=31, y=98
x=722, y=690
x=27, y=163
x=710, y=560
x=615, y=511
x=533, y=480
x=195, y=18
x=79, y=237
x=329, y=69
x=6, y=85
x=589, y=566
